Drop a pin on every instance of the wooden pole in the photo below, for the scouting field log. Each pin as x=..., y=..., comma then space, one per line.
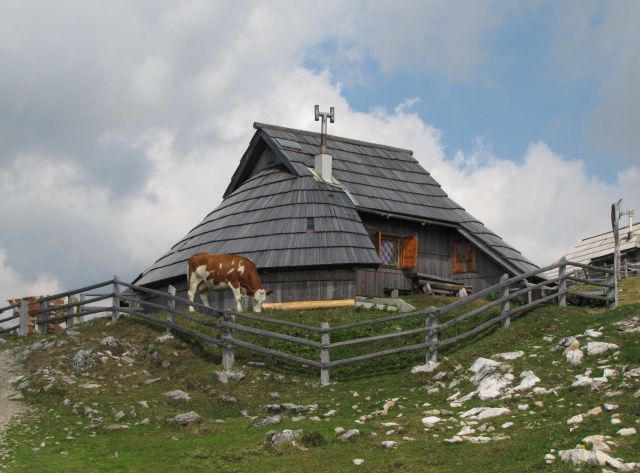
x=41, y=322
x=81, y=307
x=171, y=304
x=505, y=321
x=562, y=283
x=23, y=329
x=70, y=313
x=116, y=299
x=530, y=293
x=615, y=218
x=228, y=357
x=324, y=353
x=432, y=335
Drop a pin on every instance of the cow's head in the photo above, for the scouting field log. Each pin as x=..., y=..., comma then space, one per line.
x=258, y=298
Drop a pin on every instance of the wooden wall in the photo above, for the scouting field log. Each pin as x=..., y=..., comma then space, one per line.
x=434, y=257
x=287, y=286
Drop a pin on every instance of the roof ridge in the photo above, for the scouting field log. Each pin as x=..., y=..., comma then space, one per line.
x=260, y=126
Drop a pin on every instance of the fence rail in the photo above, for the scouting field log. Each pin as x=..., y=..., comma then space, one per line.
x=230, y=334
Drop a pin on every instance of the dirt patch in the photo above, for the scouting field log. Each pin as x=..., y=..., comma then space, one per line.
x=9, y=368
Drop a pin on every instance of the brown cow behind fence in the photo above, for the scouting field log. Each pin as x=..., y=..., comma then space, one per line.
x=34, y=310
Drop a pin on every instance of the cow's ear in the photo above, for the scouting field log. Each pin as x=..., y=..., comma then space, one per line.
x=269, y=292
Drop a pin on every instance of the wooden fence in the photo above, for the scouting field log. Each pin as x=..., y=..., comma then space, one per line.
x=508, y=298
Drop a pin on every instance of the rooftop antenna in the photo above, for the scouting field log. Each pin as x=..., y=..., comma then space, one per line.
x=630, y=214
x=323, y=135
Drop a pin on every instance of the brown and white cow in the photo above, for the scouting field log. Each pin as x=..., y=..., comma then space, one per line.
x=221, y=271
x=33, y=306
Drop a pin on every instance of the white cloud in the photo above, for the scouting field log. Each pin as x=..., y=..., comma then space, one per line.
x=13, y=285
x=114, y=145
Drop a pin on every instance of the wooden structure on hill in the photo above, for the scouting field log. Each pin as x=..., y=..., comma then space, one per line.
x=359, y=219
x=598, y=250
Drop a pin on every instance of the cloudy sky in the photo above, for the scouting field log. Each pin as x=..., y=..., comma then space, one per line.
x=121, y=122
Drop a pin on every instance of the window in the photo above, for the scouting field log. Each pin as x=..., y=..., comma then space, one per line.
x=399, y=252
x=388, y=251
x=464, y=257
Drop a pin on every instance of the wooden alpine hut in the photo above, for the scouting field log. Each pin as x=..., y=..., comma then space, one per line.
x=325, y=217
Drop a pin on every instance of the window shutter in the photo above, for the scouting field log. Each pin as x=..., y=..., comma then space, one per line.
x=409, y=258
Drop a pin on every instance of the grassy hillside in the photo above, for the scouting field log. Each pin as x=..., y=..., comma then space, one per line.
x=67, y=429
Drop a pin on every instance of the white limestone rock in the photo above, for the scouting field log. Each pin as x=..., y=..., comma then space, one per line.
x=286, y=437
x=177, y=395
x=577, y=419
x=358, y=461
x=529, y=380
x=592, y=333
x=600, y=348
x=574, y=356
x=627, y=432
x=185, y=418
x=389, y=444
x=430, y=421
x=426, y=368
x=480, y=413
x=511, y=355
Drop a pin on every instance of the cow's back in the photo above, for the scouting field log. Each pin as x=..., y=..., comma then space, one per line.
x=227, y=265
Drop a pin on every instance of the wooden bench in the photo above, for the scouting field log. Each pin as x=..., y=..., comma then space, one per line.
x=431, y=284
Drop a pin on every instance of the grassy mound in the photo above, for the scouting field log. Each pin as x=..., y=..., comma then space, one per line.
x=72, y=411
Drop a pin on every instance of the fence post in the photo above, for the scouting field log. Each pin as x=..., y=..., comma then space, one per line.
x=611, y=288
x=505, y=320
x=40, y=321
x=228, y=357
x=529, y=293
x=70, y=313
x=562, y=283
x=81, y=307
x=171, y=304
x=23, y=329
x=116, y=299
x=324, y=353
x=432, y=335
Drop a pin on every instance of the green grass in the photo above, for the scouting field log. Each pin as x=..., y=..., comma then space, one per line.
x=236, y=446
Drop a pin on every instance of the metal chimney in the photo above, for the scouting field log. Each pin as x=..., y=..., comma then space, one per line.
x=322, y=165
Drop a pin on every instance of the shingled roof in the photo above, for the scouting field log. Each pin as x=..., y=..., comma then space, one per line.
x=274, y=193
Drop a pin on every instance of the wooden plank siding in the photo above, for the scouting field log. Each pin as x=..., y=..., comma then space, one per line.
x=434, y=257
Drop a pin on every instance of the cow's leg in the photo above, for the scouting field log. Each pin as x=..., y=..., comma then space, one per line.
x=204, y=295
x=237, y=293
x=194, y=282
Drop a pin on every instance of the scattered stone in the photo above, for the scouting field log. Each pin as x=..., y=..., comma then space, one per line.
x=110, y=342
x=577, y=419
x=592, y=333
x=578, y=456
x=389, y=444
x=529, y=380
x=83, y=360
x=119, y=415
x=144, y=404
x=225, y=376
x=634, y=373
x=113, y=427
x=597, y=442
x=610, y=407
x=358, y=461
x=185, y=418
x=177, y=395
x=152, y=380
x=272, y=420
x=286, y=437
x=430, y=421
x=466, y=430
x=627, y=432
x=349, y=434
x=426, y=368
x=165, y=338
x=567, y=341
x=480, y=413
x=599, y=348
x=506, y=425
x=330, y=413
x=574, y=356
x=89, y=386
x=511, y=355
x=548, y=458
x=228, y=399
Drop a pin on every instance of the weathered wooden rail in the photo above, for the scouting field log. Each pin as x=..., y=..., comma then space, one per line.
x=509, y=297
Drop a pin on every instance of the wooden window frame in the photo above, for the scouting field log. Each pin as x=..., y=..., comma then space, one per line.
x=464, y=257
x=405, y=249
